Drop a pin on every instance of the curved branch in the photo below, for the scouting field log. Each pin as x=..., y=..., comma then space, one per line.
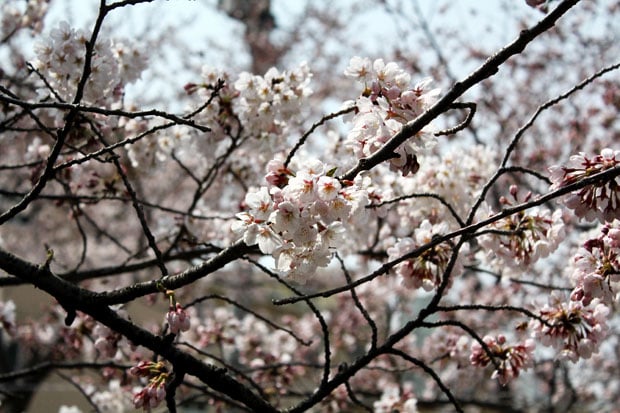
x=439, y=198
x=470, y=115
x=314, y=126
x=431, y=373
x=552, y=102
x=250, y=311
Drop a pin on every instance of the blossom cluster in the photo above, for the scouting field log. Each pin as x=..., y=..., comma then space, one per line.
x=427, y=268
x=509, y=360
x=220, y=114
x=106, y=341
x=62, y=55
x=457, y=176
x=155, y=392
x=600, y=200
x=13, y=18
x=385, y=105
x=113, y=398
x=265, y=106
x=393, y=399
x=442, y=192
x=574, y=329
x=522, y=238
x=146, y=152
x=269, y=353
x=301, y=217
x=597, y=267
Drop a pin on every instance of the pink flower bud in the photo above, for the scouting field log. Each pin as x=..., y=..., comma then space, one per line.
x=177, y=319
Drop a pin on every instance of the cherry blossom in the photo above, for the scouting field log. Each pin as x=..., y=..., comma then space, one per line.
x=150, y=397
x=597, y=268
x=427, y=269
x=107, y=340
x=523, y=238
x=384, y=107
x=600, y=200
x=62, y=57
x=154, y=393
x=510, y=360
x=14, y=18
x=301, y=222
x=177, y=319
x=392, y=400
x=574, y=329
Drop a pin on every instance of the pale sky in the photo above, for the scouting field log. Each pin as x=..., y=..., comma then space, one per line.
x=201, y=21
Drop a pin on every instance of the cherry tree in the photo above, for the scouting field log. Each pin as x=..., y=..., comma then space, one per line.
x=444, y=237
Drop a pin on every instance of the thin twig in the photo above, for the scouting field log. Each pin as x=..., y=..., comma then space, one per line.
x=439, y=198
x=250, y=311
x=358, y=303
x=305, y=136
x=465, y=123
x=552, y=102
x=431, y=373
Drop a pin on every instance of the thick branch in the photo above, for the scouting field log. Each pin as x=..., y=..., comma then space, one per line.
x=77, y=299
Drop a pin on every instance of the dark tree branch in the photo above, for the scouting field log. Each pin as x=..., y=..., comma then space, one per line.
x=79, y=299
